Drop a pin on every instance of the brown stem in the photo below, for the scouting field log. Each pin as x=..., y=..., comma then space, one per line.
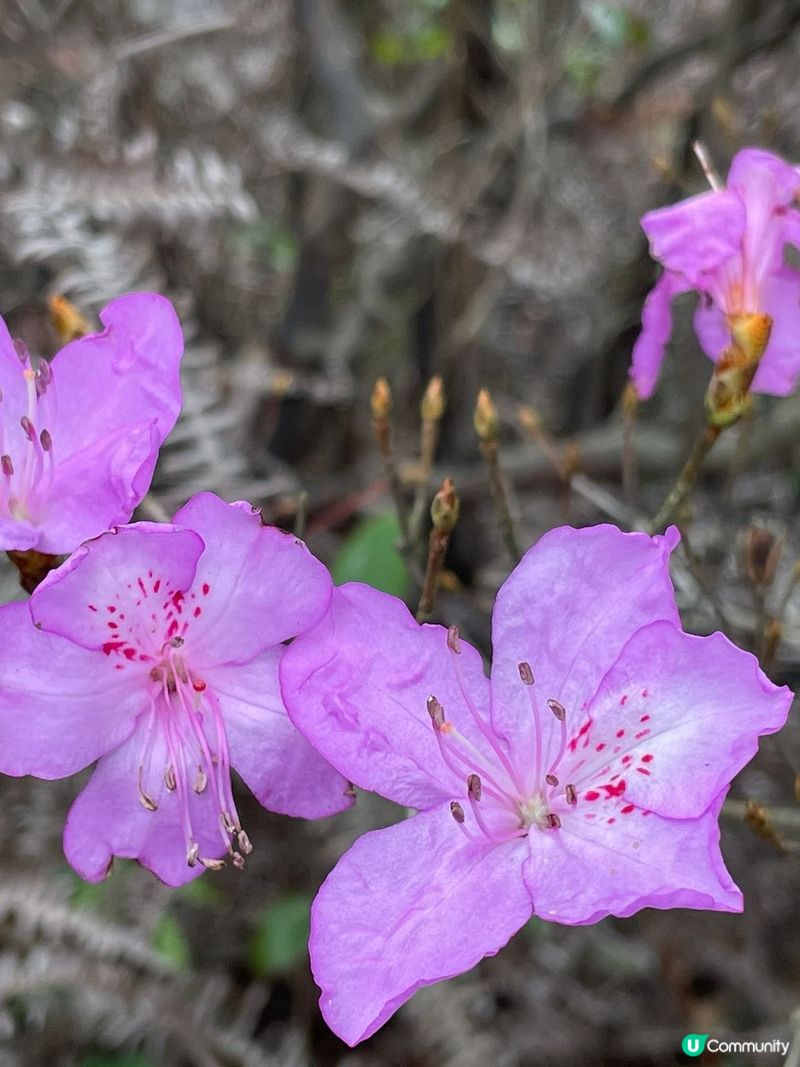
x=490, y=453
x=444, y=514
x=686, y=479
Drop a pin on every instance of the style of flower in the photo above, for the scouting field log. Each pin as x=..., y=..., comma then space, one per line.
x=79, y=436
x=155, y=649
x=583, y=780
x=728, y=246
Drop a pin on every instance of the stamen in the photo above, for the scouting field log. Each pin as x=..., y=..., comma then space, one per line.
x=22, y=350
x=244, y=842
x=28, y=427
x=474, y=786
x=527, y=679
x=201, y=780
x=560, y=713
x=169, y=779
x=192, y=853
x=525, y=673
x=553, y=821
x=436, y=712
x=454, y=644
x=557, y=709
x=457, y=811
x=46, y=440
x=571, y=794
x=551, y=779
x=211, y=865
x=144, y=797
x=237, y=860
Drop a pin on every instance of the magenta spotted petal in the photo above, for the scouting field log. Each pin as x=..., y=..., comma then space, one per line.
x=590, y=771
x=155, y=649
x=80, y=435
x=728, y=246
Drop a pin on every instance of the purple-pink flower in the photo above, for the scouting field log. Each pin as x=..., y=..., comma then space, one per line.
x=728, y=246
x=583, y=780
x=155, y=650
x=80, y=435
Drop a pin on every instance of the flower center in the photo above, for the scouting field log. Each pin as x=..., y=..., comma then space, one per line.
x=187, y=729
x=27, y=460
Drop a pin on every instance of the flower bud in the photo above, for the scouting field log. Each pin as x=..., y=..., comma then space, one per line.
x=67, y=320
x=432, y=406
x=762, y=553
x=486, y=421
x=445, y=506
x=381, y=400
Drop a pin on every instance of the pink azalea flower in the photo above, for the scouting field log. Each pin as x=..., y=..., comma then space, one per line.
x=728, y=246
x=155, y=650
x=80, y=435
x=583, y=780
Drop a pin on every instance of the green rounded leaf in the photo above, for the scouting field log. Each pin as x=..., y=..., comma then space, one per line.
x=369, y=554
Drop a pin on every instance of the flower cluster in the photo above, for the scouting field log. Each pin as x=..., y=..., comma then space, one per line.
x=728, y=245
x=582, y=779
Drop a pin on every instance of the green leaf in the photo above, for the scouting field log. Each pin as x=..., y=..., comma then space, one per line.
x=369, y=554
x=170, y=940
x=279, y=941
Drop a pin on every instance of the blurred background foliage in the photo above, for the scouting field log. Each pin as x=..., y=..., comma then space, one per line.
x=337, y=190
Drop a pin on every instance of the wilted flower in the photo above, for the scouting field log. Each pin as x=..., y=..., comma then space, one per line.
x=583, y=780
x=80, y=435
x=155, y=649
x=728, y=246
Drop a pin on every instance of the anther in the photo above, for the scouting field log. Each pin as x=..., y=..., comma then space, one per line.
x=237, y=859
x=201, y=781
x=571, y=794
x=211, y=865
x=457, y=811
x=7, y=465
x=192, y=853
x=244, y=842
x=525, y=673
x=436, y=712
x=228, y=822
x=453, y=642
x=147, y=801
x=169, y=779
x=199, y=685
x=22, y=350
x=28, y=427
x=557, y=709
x=44, y=374
x=474, y=786
x=551, y=779
x=553, y=822
x=46, y=440
x=176, y=642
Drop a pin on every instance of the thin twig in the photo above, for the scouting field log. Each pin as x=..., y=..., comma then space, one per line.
x=686, y=479
x=444, y=515
x=487, y=426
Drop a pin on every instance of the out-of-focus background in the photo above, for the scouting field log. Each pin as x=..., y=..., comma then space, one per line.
x=336, y=190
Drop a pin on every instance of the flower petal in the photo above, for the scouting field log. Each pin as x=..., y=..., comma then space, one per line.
x=689, y=710
x=109, y=819
x=262, y=585
x=60, y=706
x=751, y=166
x=696, y=235
x=127, y=378
x=13, y=388
x=118, y=590
x=357, y=687
x=405, y=907
x=18, y=535
x=589, y=869
x=568, y=608
x=648, y=350
x=276, y=762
